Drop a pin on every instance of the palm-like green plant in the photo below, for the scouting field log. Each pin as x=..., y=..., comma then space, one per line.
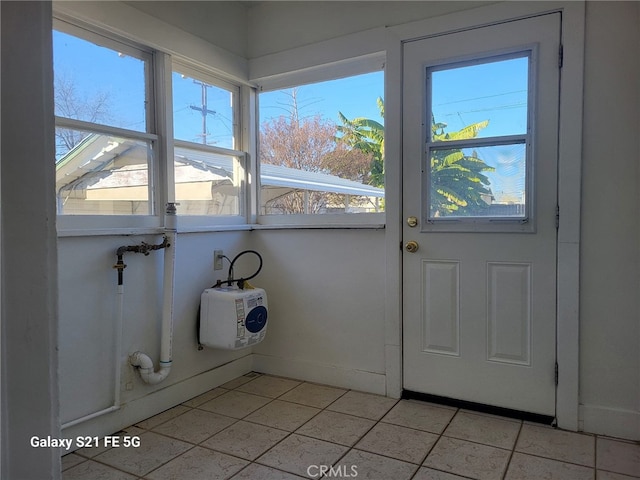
x=367, y=136
x=458, y=184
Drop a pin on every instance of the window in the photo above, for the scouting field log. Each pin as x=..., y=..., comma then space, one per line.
x=478, y=144
x=209, y=171
x=105, y=143
x=321, y=148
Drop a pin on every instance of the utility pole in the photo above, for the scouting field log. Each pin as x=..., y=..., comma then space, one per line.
x=203, y=110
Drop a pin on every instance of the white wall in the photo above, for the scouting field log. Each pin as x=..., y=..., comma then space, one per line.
x=610, y=261
x=88, y=312
x=326, y=292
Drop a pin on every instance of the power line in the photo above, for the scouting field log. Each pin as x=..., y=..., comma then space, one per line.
x=480, y=98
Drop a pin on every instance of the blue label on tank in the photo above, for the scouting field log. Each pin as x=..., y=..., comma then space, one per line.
x=256, y=320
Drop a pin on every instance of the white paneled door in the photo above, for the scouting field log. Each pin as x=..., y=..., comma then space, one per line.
x=480, y=137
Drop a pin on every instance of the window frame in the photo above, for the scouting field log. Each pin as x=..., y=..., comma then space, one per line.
x=160, y=66
x=525, y=224
x=101, y=223
x=182, y=65
x=333, y=71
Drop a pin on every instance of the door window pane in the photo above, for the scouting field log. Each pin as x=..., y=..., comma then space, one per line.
x=477, y=161
x=487, y=181
x=482, y=100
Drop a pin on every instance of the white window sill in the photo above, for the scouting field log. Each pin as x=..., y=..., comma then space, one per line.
x=95, y=232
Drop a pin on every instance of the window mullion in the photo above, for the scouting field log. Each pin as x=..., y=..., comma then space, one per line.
x=478, y=142
x=73, y=124
x=164, y=169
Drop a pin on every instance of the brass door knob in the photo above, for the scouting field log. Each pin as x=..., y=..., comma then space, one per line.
x=411, y=246
x=412, y=221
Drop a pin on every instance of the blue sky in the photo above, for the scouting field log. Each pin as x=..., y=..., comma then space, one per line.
x=491, y=91
x=353, y=96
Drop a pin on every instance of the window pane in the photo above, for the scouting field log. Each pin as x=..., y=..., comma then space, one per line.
x=98, y=84
x=322, y=147
x=485, y=181
x=202, y=113
x=485, y=100
x=208, y=183
x=103, y=175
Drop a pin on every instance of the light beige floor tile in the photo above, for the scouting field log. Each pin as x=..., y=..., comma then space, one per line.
x=195, y=425
x=359, y=464
x=602, y=475
x=71, y=460
x=468, y=459
x=492, y=431
x=398, y=442
x=154, y=450
x=245, y=440
x=296, y=454
x=527, y=467
x=205, y=397
x=260, y=472
x=91, y=470
x=319, y=396
x=236, y=382
x=431, y=474
x=283, y=415
x=199, y=464
x=336, y=427
x=268, y=386
x=559, y=445
x=423, y=416
x=156, y=420
x=362, y=404
x=619, y=457
x=235, y=404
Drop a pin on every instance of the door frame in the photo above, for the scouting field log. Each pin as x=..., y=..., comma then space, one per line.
x=569, y=186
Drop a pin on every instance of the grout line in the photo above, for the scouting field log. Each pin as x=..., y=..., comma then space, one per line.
x=349, y=448
x=513, y=450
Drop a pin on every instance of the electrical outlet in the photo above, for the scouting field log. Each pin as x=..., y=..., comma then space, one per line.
x=217, y=259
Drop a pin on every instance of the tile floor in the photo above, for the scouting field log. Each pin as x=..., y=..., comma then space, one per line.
x=261, y=427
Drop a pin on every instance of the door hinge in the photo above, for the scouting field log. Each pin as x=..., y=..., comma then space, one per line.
x=555, y=374
x=557, y=217
x=560, y=56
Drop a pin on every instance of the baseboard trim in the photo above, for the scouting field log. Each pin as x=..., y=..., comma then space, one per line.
x=351, y=379
x=612, y=422
x=479, y=407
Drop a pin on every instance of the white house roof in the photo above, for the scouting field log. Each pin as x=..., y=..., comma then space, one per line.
x=85, y=163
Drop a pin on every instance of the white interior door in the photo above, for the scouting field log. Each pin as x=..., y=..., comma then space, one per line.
x=480, y=135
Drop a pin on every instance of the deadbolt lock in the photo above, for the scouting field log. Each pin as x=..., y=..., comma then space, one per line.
x=412, y=221
x=411, y=246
